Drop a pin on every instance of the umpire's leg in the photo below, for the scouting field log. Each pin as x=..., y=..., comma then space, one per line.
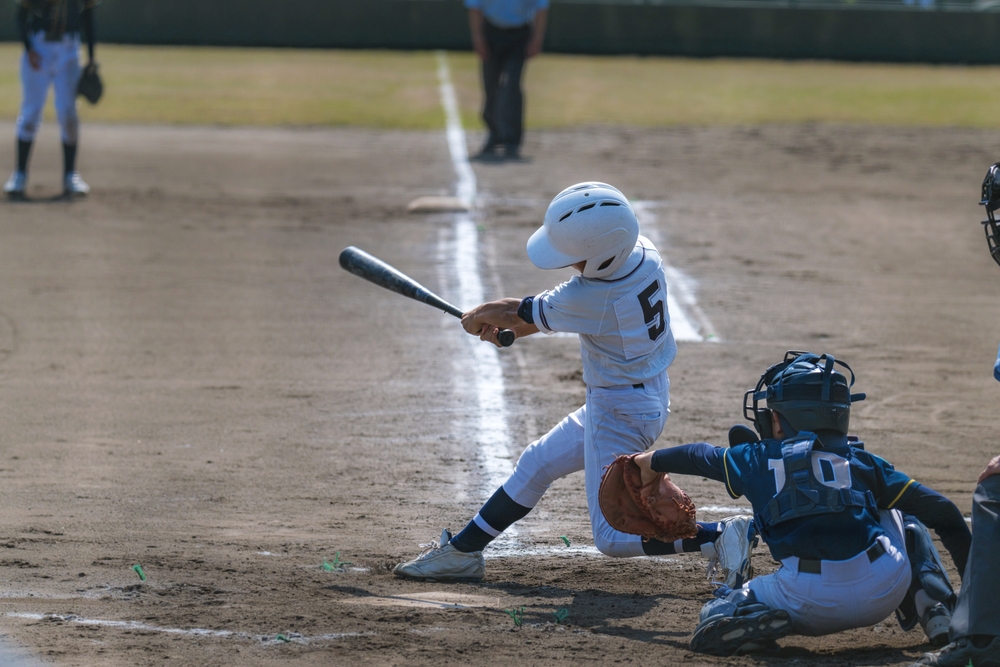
x=510, y=98
x=977, y=612
x=491, y=84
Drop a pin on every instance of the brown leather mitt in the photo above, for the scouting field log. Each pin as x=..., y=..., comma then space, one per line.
x=659, y=510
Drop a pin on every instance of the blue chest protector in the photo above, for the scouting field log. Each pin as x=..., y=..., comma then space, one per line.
x=803, y=494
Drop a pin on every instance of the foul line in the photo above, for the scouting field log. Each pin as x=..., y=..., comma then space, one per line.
x=494, y=440
x=687, y=320
x=197, y=632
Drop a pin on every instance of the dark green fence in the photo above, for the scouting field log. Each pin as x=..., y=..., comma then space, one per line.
x=959, y=32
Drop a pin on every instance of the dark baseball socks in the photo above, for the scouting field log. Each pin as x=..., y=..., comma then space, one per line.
x=708, y=533
x=69, y=158
x=499, y=512
x=23, y=153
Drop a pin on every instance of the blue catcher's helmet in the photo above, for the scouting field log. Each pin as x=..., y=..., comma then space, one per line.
x=807, y=391
x=991, y=200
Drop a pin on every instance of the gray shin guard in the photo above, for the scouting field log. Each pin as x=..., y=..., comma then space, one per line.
x=928, y=574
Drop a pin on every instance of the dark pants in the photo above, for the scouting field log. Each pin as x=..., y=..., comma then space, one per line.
x=978, y=610
x=503, y=107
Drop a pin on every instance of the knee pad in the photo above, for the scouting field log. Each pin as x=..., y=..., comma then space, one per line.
x=927, y=573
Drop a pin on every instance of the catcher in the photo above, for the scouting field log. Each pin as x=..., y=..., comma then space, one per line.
x=844, y=524
x=618, y=306
x=50, y=31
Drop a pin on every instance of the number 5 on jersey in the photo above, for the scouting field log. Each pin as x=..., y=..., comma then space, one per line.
x=643, y=318
x=652, y=311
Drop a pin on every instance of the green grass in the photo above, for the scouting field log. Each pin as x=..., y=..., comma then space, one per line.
x=387, y=89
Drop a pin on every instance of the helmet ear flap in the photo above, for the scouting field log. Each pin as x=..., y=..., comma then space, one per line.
x=762, y=422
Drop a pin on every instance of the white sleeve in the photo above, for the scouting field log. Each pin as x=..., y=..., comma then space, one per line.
x=572, y=307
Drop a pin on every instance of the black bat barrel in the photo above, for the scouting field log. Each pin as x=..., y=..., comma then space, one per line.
x=374, y=270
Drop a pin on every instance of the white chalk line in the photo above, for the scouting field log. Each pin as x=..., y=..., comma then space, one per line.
x=494, y=441
x=194, y=632
x=687, y=320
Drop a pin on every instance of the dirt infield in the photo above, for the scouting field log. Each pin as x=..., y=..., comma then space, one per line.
x=189, y=382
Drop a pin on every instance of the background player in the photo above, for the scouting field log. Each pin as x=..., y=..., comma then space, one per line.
x=831, y=513
x=50, y=31
x=618, y=305
x=505, y=34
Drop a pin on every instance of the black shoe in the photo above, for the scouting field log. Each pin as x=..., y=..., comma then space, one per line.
x=512, y=152
x=488, y=153
x=733, y=635
x=962, y=653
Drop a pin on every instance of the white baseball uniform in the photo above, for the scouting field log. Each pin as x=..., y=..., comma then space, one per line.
x=60, y=69
x=626, y=346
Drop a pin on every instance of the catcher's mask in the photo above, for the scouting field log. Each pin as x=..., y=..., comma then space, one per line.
x=807, y=391
x=991, y=200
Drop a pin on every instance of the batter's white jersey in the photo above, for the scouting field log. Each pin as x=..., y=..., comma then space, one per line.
x=623, y=321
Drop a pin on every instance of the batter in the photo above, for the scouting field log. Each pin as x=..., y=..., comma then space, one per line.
x=618, y=306
x=50, y=31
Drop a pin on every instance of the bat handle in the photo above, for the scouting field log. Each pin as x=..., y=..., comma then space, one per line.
x=506, y=337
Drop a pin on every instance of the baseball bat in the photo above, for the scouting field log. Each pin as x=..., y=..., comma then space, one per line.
x=374, y=270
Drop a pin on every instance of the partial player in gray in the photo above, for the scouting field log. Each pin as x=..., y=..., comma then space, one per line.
x=975, y=628
x=618, y=306
x=847, y=527
x=50, y=31
x=505, y=35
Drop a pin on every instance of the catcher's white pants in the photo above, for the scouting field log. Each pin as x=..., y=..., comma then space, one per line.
x=853, y=593
x=615, y=420
x=60, y=69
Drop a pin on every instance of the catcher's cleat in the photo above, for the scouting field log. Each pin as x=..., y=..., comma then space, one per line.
x=74, y=185
x=16, y=185
x=442, y=561
x=962, y=653
x=935, y=622
x=746, y=633
x=732, y=567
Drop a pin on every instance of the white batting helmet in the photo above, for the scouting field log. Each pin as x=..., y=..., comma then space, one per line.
x=588, y=221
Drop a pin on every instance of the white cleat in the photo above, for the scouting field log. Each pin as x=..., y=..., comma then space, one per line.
x=74, y=185
x=731, y=566
x=16, y=185
x=442, y=561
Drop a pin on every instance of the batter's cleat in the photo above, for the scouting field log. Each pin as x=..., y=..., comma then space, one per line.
x=732, y=566
x=73, y=185
x=733, y=635
x=962, y=653
x=935, y=622
x=16, y=185
x=442, y=562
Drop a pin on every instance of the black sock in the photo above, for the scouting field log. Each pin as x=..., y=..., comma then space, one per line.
x=23, y=152
x=707, y=532
x=499, y=512
x=69, y=157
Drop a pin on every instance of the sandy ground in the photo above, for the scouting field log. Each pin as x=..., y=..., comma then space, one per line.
x=188, y=381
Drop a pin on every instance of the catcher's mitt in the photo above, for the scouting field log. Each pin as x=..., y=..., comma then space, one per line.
x=658, y=510
x=90, y=85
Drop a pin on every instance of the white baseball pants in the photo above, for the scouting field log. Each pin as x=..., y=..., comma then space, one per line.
x=614, y=421
x=853, y=593
x=60, y=69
